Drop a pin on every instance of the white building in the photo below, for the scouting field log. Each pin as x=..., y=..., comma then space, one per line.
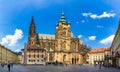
x=96, y=56
x=115, y=49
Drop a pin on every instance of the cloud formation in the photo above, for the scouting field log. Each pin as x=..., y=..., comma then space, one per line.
x=103, y=15
x=83, y=21
x=79, y=36
x=92, y=37
x=99, y=26
x=11, y=40
x=107, y=40
x=17, y=50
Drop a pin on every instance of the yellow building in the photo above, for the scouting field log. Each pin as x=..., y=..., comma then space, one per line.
x=20, y=59
x=7, y=55
x=61, y=46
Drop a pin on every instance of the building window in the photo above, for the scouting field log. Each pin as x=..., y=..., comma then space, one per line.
x=64, y=45
x=38, y=56
x=42, y=55
x=38, y=60
x=42, y=60
x=32, y=42
x=34, y=56
x=29, y=56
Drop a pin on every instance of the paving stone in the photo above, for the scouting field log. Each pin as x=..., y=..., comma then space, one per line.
x=51, y=68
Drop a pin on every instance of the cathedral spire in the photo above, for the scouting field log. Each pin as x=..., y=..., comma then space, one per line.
x=62, y=19
x=32, y=30
x=32, y=39
x=32, y=21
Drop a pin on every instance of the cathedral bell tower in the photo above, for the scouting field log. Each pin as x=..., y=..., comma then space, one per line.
x=32, y=39
x=63, y=34
x=63, y=28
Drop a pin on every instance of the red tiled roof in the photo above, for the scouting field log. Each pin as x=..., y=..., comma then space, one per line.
x=99, y=50
x=107, y=49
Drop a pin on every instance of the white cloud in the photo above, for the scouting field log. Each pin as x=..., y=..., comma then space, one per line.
x=83, y=21
x=11, y=40
x=92, y=37
x=86, y=14
x=17, y=50
x=77, y=22
x=99, y=26
x=103, y=15
x=79, y=36
x=107, y=40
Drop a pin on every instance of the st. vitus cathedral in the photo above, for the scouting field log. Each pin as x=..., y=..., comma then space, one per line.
x=59, y=47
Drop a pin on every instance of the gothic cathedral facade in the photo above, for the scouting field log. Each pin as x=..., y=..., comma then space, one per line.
x=47, y=48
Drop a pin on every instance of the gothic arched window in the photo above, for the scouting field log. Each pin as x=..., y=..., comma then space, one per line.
x=64, y=45
x=73, y=46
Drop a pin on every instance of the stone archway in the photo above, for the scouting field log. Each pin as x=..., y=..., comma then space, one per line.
x=64, y=58
x=50, y=57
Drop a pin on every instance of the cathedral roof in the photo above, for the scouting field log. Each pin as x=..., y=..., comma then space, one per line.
x=46, y=36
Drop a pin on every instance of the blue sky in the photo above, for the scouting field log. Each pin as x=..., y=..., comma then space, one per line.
x=93, y=21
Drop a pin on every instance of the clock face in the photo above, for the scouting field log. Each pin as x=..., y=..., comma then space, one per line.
x=73, y=46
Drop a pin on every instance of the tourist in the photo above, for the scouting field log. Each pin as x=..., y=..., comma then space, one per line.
x=9, y=67
x=100, y=66
x=2, y=64
x=66, y=64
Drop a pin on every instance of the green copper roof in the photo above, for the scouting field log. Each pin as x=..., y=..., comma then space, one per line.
x=62, y=19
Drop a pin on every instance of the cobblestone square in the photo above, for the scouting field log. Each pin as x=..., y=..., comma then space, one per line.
x=51, y=68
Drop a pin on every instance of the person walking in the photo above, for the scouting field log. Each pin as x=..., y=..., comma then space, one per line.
x=66, y=64
x=9, y=67
x=2, y=64
x=100, y=66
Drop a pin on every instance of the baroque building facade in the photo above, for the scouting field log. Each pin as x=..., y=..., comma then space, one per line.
x=97, y=55
x=61, y=47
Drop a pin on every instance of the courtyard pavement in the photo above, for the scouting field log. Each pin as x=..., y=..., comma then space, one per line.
x=51, y=68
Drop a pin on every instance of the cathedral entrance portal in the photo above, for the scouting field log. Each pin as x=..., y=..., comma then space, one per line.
x=73, y=60
x=50, y=57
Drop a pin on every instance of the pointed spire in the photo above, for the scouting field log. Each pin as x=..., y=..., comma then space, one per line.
x=62, y=19
x=32, y=21
x=32, y=30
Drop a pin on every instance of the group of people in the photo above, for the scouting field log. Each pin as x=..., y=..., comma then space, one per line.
x=9, y=66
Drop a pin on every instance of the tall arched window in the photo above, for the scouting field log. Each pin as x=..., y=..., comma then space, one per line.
x=64, y=45
x=50, y=57
x=73, y=46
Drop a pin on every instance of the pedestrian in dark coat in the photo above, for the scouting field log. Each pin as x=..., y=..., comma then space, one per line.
x=8, y=67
